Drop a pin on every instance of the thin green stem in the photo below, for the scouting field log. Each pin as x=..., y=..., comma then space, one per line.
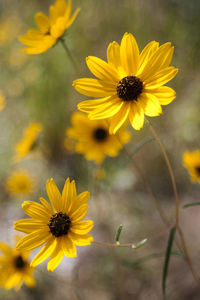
x=69, y=54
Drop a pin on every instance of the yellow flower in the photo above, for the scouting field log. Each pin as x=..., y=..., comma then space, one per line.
x=29, y=140
x=58, y=225
x=2, y=101
x=191, y=161
x=50, y=29
x=130, y=83
x=15, y=268
x=93, y=138
x=20, y=183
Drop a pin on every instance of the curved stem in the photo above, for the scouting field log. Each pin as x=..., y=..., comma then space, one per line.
x=69, y=54
x=187, y=256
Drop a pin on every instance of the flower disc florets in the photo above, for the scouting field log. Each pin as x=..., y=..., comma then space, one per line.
x=100, y=134
x=19, y=262
x=59, y=224
x=129, y=88
x=198, y=170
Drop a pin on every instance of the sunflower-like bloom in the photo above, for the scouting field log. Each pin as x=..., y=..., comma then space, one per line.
x=130, y=83
x=191, y=161
x=50, y=29
x=93, y=139
x=20, y=183
x=28, y=141
x=15, y=268
x=58, y=227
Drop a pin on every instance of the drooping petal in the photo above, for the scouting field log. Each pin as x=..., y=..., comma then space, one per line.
x=129, y=54
x=54, y=195
x=45, y=252
x=56, y=256
x=68, y=247
x=151, y=105
x=120, y=118
x=136, y=116
x=93, y=87
x=102, y=70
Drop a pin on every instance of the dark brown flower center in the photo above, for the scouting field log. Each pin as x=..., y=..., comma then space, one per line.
x=198, y=170
x=19, y=262
x=100, y=134
x=129, y=88
x=59, y=224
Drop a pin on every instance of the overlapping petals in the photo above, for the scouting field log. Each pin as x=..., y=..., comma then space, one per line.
x=151, y=66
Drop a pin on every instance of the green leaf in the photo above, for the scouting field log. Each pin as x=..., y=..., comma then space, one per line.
x=140, y=244
x=190, y=204
x=118, y=234
x=167, y=258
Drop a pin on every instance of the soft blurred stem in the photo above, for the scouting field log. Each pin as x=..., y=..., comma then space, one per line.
x=171, y=173
x=69, y=54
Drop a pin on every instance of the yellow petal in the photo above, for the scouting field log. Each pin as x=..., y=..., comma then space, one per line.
x=136, y=116
x=93, y=87
x=81, y=227
x=5, y=249
x=54, y=195
x=46, y=205
x=150, y=104
x=145, y=55
x=80, y=240
x=42, y=22
x=160, y=78
x=107, y=110
x=71, y=20
x=68, y=247
x=45, y=252
x=56, y=256
x=113, y=55
x=30, y=225
x=119, y=119
x=79, y=213
x=35, y=210
x=89, y=105
x=164, y=94
x=129, y=54
x=102, y=70
x=80, y=199
x=33, y=240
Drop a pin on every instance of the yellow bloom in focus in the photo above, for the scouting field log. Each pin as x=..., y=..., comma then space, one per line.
x=191, y=161
x=93, y=139
x=20, y=183
x=2, y=101
x=58, y=226
x=50, y=29
x=130, y=84
x=29, y=140
x=15, y=268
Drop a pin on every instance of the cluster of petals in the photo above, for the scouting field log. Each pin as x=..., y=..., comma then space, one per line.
x=50, y=29
x=151, y=67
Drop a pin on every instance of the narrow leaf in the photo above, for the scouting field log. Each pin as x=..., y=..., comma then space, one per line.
x=118, y=234
x=140, y=244
x=167, y=258
x=191, y=204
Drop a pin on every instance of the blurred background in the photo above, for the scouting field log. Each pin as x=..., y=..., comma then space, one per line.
x=39, y=89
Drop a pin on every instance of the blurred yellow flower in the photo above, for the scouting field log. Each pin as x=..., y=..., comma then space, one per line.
x=191, y=161
x=130, y=83
x=58, y=225
x=50, y=29
x=20, y=183
x=15, y=268
x=2, y=101
x=29, y=140
x=93, y=139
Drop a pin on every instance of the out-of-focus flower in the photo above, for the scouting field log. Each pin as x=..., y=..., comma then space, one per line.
x=93, y=139
x=131, y=83
x=9, y=27
x=2, y=101
x=58, y=225
x=15, y=268
x=20, y=183
x=29, y=141
x=50, y=29
x=191, y=161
